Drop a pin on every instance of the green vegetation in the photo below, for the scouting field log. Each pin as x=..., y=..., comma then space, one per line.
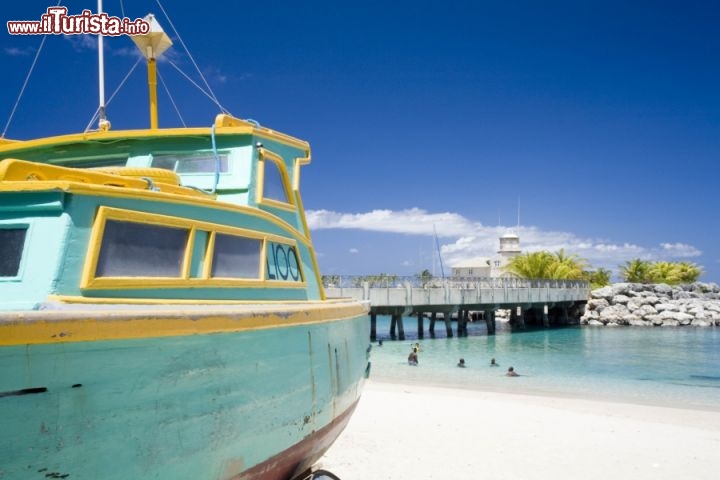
x=380, y=280
x=672, y=273
x=546, y=265
x=329, y=280
x=424, y=277
x=597, y=278
x=557, y=266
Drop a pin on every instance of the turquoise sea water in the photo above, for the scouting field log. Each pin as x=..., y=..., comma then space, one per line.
x=677, y=366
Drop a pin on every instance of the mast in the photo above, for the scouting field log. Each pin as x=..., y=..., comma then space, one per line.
x=437, y=243
x=152, y=45
x=103, y=123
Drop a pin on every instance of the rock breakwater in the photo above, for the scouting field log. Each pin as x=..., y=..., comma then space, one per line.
x=648, y=305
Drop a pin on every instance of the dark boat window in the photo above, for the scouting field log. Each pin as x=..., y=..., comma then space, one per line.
x=131, y=249
x=12, y=241
x=205, y=163
x=236, y=257
x=273, y=185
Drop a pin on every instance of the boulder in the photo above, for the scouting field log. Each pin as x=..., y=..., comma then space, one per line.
x=634, y=304
x=673, y=307
x=645, y=311
x=622, y=299
x=604, y=292
x=597, y=304
x=621, y=288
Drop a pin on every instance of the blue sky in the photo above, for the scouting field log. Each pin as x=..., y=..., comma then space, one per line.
x=599, y=119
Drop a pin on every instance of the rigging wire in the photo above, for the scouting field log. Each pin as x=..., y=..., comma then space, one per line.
x=27, y=79
x=211, y=94
x=127, y=75
x=214, y=100
x=172, y=100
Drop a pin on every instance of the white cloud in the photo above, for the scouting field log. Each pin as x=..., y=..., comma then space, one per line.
x=354, y=250
x=82, y=42
x=466, y=239
x=18, y=52
x=412, y=222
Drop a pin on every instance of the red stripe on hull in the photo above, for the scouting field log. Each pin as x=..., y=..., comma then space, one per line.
x=300, y=456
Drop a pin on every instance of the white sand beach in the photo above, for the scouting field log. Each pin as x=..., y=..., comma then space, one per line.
x=419, y=432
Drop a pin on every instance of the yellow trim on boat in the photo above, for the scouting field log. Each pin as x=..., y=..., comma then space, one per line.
x=263, y=156
x=316, y=267
x=45, y=327
x=89, y=281
x=14, y=170
x=224, y=125
x=89, y=189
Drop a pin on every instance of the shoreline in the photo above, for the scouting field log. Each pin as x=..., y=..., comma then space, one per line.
x=516, y=387
x=430, y=432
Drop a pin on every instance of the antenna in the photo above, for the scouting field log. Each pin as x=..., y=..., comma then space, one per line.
x=518, y=224
x=437, y=243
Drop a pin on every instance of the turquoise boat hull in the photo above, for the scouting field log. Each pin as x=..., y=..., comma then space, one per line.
x=254, y=403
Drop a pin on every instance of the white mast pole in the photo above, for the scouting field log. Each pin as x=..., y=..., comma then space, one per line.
x=103, y=124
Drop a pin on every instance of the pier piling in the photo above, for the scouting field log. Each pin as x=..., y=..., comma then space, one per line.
x=490, y=321
x=447, y=316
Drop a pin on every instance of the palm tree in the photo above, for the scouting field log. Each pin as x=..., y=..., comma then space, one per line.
x=424, y=277
x=567, y=266
x=597, y=278
x=546, y=265
x=636, y=271
x=688, y=272
x=664, y=272
x=532, y=265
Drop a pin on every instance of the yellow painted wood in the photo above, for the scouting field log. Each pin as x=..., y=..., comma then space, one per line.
x=35, y=327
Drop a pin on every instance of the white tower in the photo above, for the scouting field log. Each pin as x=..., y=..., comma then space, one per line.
x=509, y=248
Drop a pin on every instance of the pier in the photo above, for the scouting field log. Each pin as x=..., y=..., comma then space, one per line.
x=537, y=302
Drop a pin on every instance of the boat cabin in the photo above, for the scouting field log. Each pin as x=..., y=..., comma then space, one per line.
x=155, y=216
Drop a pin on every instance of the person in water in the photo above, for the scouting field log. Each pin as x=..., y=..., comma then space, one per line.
x=461, y=363
x=413, y=358
x=493, y=364
x=511, y=372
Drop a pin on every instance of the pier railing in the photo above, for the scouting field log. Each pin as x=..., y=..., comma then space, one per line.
x=414, y=292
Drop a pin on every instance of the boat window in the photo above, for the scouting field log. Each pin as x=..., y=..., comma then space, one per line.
x=273, y=185
x=131, y=249
x=236, y=257
x=203, y=163
x=12, y=241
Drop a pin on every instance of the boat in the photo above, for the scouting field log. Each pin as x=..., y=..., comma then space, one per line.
x=162, y=313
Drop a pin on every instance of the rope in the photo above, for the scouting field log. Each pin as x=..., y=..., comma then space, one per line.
x=212, y=94
x=172, y=100
x=127, y=75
